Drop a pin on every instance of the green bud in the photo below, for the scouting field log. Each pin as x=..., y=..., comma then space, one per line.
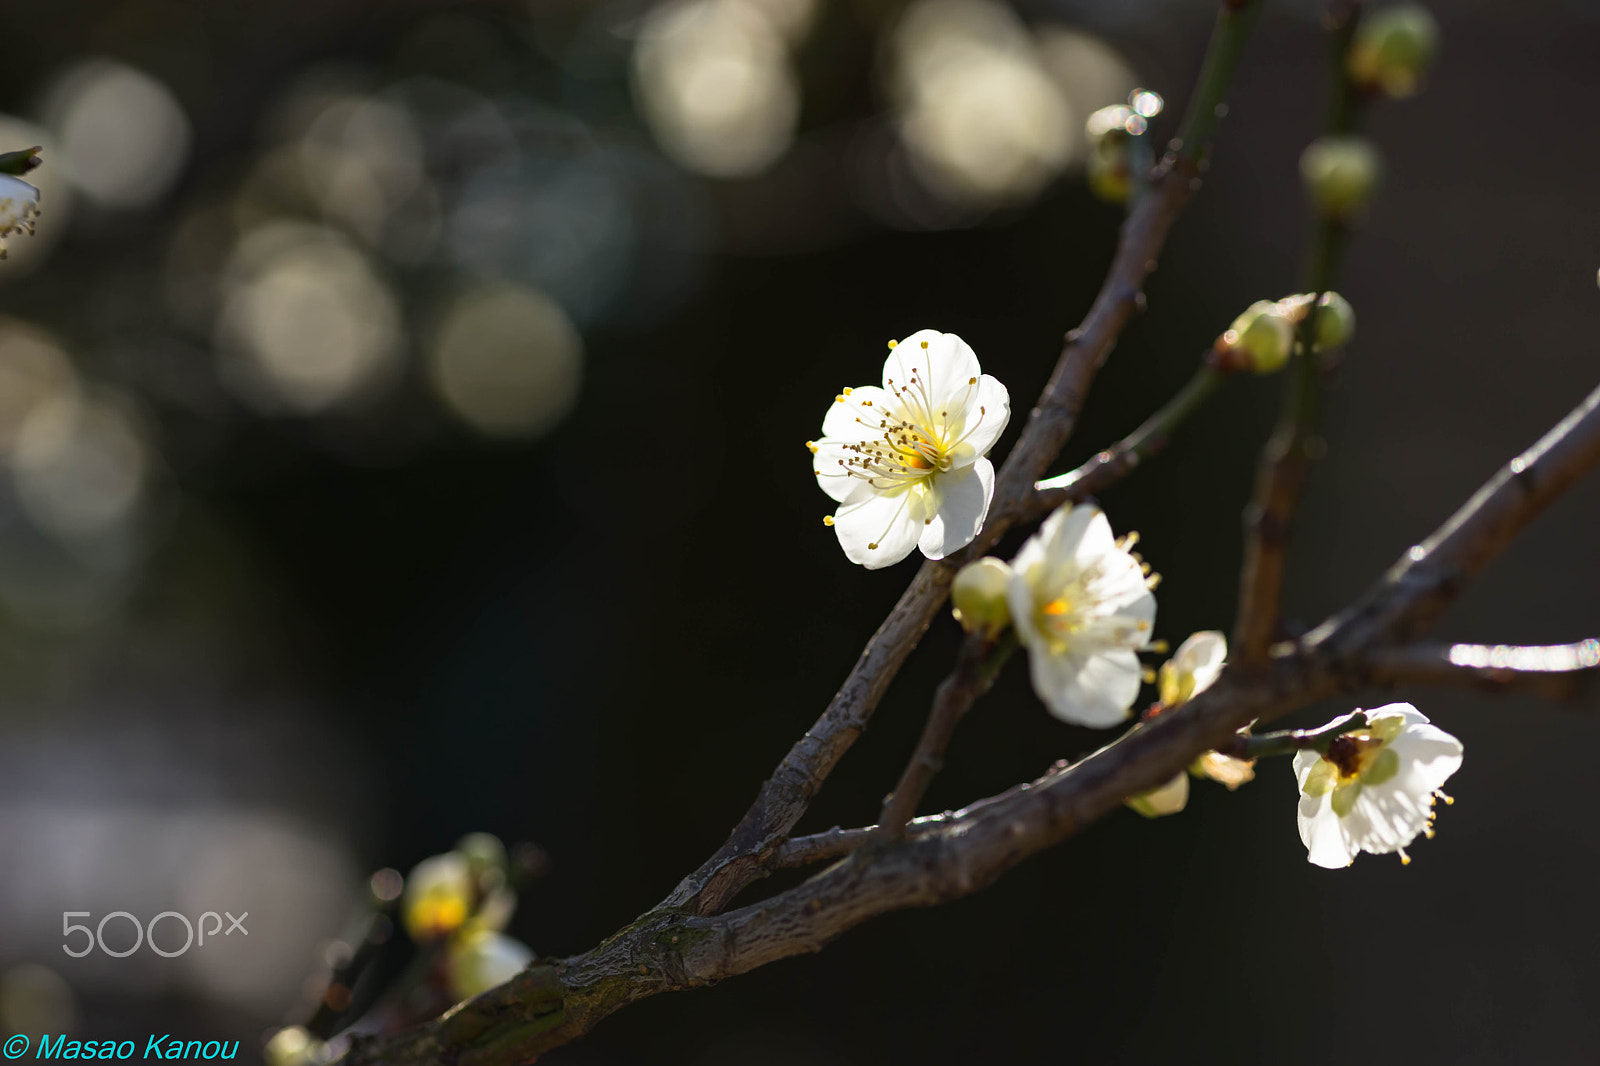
x=1341, y=174
x=978, y=595
x=1170, y=798
x=291, y=1046
x=1109, y=167
x=485, y=855
x=1393, y=49
x=1264, y=335
x=1336, y=322
x=1336, y=319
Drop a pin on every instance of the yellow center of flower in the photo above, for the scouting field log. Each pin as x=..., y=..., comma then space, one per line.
x=913, y=441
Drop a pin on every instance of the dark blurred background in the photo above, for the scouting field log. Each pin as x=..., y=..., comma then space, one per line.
x=401, y=407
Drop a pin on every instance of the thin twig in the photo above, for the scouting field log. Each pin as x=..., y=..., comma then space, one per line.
x=1122, y=458
x=784, y=796
x=1289, y=741
x=1557, y=672
x=977, y=664
x=820, y=847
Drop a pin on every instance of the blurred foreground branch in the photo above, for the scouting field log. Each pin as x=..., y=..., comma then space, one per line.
x=1556, y=671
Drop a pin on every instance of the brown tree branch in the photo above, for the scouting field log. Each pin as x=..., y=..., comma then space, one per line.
x=1429, y=577
x=977, y=664
x=1557, y=672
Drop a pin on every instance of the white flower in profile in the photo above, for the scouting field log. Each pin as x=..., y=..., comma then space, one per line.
x=19, y=208
x=1193, y=667
x=906, y=461
x=1374, y=789
x=1082, y=606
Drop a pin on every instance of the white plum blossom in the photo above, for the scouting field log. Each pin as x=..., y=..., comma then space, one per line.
x=906, y=461
x=19, y=208
x=1375, y=788
x=1082, y=606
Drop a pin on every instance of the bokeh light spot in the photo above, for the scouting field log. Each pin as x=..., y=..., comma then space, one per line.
x=714, y=81
x=507, y=360
x=123, y=135
x=307, y=323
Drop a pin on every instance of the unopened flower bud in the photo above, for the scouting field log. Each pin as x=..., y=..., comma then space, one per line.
x=440, y=894
x=1109, y=166
x=1341, y=174
x=1393, y=49
x=485, y=855
x=1224, y=769
x=1170, y=798
x=1336, y=322
x=978, y=595
x=1336, y=319
x=291, y=1046
x=1263, y=335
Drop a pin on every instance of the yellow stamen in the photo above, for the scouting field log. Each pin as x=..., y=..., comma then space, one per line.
x=893, y=345
x=848, y=391
x=827, y=519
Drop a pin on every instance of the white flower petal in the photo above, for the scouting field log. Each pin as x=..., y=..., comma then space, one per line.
x=878, y=530
x=1304, y=763
x=831, y=465
x=1322, y=833
x=857, y=417
x=942, y=370
x=1201, y=657
x=1020, y=601
x=1385, y=818
x=987, y=411
x=1428, y=756
x=963, y=505
x=1094, y=690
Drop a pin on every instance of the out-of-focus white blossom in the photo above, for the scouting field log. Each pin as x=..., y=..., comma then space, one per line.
x=1082, y=606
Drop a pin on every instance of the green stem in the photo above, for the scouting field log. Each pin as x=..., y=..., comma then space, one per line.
x=1289, y=741
x=1216, y=74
